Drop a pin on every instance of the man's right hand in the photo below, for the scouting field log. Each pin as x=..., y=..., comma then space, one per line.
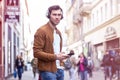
x=61, y=56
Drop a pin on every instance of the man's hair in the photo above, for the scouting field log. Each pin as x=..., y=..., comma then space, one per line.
x=54, y=7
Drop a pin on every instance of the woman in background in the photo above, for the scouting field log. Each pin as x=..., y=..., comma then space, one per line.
x=82, y=67
x=19, y=63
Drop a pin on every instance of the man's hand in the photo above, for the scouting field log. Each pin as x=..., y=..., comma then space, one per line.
x=61, y=56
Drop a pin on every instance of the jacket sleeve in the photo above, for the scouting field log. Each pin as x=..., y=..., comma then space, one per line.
x=39, y=48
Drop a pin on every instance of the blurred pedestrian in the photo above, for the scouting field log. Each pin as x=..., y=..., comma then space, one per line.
x=67, y=62
x=107, y=65
x=48, y=46
x=82, y=67
x=34, y=65
x=117, y=62
x=90, y=66
x=19, y=64
x=72, y=71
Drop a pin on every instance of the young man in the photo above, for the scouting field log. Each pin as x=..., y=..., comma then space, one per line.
x=107, y=65
x=48, y=45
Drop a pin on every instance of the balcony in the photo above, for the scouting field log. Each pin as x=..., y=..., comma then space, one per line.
x=85, y=8
x=77, y=19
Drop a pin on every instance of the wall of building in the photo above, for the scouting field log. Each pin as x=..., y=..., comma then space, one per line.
x=11, y=47
x=102, y=28
x=73, y=29
x=11, y=35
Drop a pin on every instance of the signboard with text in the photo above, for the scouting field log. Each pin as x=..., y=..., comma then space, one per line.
x=12, y=11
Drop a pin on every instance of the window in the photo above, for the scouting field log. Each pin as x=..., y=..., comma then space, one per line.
x=12, y=2
x=17, y=41
x=14, y=38
x=111, y=6
x=106, y=11
x=101, y=12
x=113, y=44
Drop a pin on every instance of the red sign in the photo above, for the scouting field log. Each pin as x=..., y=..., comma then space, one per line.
x=12, y=11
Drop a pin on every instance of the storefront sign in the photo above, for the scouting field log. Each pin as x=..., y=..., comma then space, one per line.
x=12, y=11
x=110, y=33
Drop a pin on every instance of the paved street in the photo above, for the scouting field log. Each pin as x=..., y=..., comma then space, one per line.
x=27, y=75
x=97, y=75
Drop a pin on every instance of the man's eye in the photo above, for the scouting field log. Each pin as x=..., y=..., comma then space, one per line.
x=54, y=14
x=57, y=14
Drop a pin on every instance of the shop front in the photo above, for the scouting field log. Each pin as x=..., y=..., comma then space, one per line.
x=113, y=44
x=112, y=40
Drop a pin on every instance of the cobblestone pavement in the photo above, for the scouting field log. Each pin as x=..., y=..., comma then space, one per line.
x=27, y=75
x=97, y=75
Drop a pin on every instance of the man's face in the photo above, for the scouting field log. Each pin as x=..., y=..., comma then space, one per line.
x=55, y=16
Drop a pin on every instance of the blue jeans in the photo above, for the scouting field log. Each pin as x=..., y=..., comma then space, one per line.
x=83, y=75
x=20, y=71
x=59, y=75
x=72, y=73
x=108, y=72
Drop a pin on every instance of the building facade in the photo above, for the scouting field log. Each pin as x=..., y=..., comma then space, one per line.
x=27, y=40
x=11, y=35
x=13, y=40
x=98, y=27
x=73, y=28
x=101, y=19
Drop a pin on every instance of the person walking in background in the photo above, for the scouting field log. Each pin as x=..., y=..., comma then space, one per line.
x=113, y=66
x=19, y=63
x=47, y=46
x=72, y=71
x=82, y=67
x=90, y=66
x=34, y=63
x=107, y=65
x=117, y=62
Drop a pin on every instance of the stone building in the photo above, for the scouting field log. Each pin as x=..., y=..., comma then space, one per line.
x=99, y=27
x=73, y=28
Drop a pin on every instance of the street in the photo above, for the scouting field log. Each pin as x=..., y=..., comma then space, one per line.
x=96, y=75
x=27, y=75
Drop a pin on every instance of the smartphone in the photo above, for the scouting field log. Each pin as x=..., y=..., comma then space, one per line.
x=70, y=54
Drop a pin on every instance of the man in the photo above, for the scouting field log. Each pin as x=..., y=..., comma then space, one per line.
x=107, y=65
x=48, y=46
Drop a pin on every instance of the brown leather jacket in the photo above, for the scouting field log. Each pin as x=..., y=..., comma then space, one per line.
x=43, y=48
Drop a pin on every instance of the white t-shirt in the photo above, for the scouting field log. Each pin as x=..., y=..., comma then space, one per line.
x=56, y=45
